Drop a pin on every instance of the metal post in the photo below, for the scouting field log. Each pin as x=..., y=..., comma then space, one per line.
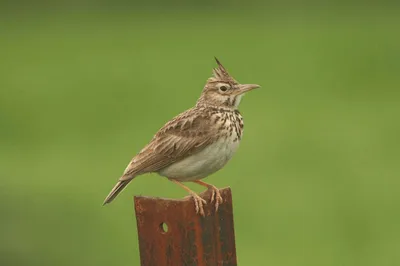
x=172, y=234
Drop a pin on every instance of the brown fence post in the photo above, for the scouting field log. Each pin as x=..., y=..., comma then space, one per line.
x=172, y=234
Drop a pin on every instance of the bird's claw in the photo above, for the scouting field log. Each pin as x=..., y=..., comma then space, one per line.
x=216, y=197
x=199, y=203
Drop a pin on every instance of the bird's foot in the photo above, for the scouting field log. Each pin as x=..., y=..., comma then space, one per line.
x=215, y=196
x=199, y=203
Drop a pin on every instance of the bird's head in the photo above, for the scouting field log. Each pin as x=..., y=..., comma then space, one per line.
x=223, y=90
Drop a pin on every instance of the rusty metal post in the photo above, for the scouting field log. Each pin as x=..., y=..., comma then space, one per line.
x=172, y=234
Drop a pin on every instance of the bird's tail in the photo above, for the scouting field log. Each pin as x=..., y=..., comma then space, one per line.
x=116, y=190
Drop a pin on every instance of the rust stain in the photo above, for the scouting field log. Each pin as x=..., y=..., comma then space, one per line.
x=199, y=242
x=189, y=240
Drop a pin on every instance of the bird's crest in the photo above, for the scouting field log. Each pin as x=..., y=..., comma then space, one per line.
x=221, y=74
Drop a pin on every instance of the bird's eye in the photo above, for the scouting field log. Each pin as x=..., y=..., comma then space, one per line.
x=223, y=88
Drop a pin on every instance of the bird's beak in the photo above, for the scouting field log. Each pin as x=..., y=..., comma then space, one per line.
x=246, y=87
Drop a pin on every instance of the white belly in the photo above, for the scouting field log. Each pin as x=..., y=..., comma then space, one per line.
x=203, y=163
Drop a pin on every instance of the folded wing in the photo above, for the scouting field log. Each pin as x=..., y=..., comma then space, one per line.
x=186, y=134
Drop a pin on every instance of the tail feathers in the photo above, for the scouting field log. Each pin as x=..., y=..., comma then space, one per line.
x=116, y=190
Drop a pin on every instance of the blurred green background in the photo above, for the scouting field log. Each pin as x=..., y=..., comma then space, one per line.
x=85, y=85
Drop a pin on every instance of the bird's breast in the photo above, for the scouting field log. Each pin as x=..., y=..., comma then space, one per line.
x=213, y=157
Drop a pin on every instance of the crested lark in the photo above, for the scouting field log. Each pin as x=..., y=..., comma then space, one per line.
x=197, y=142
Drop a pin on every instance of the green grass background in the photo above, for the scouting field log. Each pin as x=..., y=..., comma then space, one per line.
x=315, y=181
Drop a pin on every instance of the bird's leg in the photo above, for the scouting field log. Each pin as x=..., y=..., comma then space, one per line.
x=198, y=201
x=215, y=196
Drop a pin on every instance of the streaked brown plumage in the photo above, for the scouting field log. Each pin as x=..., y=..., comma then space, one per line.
x=197, y=142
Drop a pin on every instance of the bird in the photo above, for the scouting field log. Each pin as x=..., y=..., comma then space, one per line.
x=197, y=142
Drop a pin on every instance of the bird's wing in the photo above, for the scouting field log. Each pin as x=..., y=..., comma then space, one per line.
x=186, y=134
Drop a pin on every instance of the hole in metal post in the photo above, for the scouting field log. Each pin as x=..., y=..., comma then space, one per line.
x=164, y=227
